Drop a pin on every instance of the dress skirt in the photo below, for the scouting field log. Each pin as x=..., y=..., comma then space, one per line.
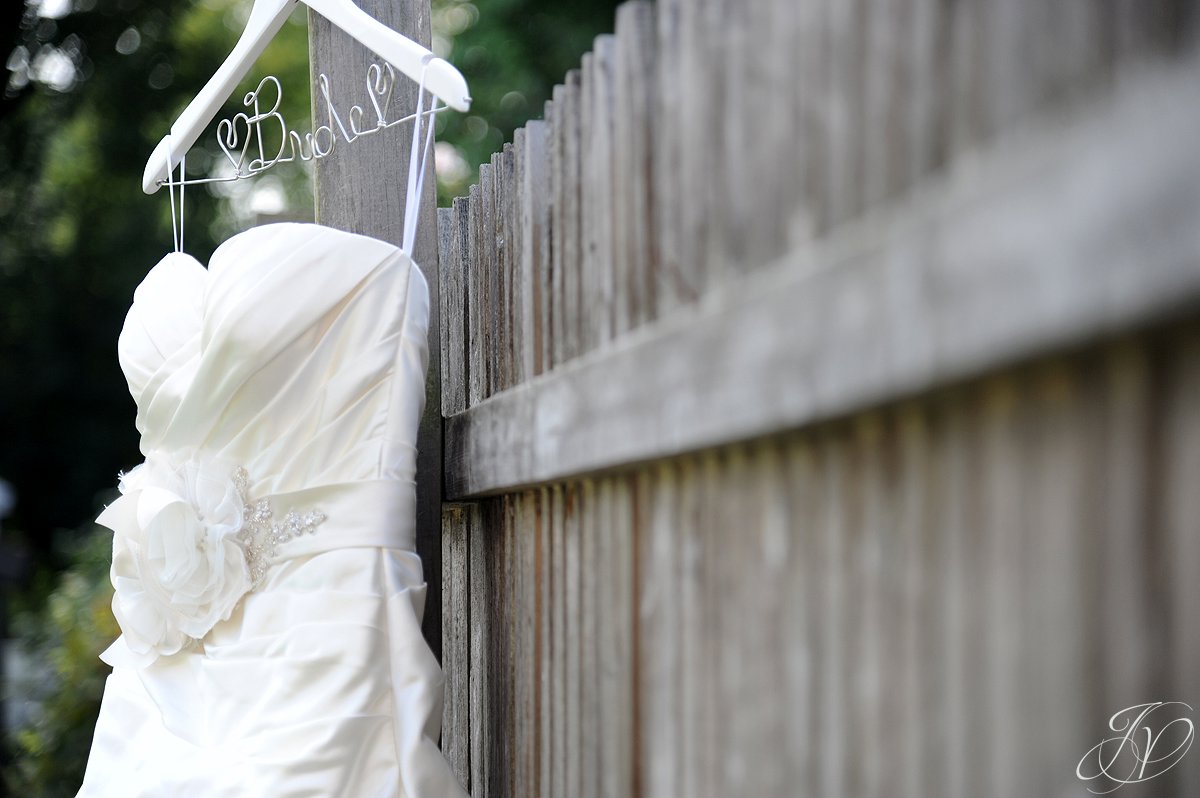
x=320, y=684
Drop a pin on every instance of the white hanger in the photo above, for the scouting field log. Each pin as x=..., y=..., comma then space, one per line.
x=266, y=18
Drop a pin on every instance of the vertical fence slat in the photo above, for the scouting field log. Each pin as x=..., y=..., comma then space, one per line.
x=480, y=654
x=913, y=582
x=488, y=259
x=535, y=224
x=603, y=598
x=524, y=671
x=773, y=80
x=1059, y=470
x=704, y=619
x=885, y=96
x=589, y=199
x=454, y=226
x=667, y=160
x=603, y=285
x=923, y=54
x=571, y=221
x=857, y=599
x=456, y=639
x=572, y=674
x=830, y=744
x=506, y=242
x=544, y=570
x=633, y=172
x=476, y=366
x=520, y=295
x=699, y=104
x=968, y=48
x=734, y=233
x=844, y=132
x=1178, y=559
x=1127, y=416
x=658, y=641
x=957, y=520
x=558, y=546
x=1001, y=519
x=690, y=618
x=507, y=643
x=889, y=612
x=1006, y=79
x=556, y=117
x=528, y=228
x=585, y=640
x=617, y=627
x=797, y=483
x=875, y=536
x=724, y=570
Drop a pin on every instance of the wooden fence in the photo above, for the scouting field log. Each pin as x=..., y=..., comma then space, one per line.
x=821, y=385
x=822, y=396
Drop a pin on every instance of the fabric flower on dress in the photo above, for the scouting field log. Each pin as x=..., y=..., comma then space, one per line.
x=179, y=566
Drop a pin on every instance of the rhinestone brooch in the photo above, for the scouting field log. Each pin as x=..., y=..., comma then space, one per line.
x=261, y=534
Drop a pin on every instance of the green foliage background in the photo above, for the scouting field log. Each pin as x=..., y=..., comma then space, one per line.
x=92, y=85
x=64, y=634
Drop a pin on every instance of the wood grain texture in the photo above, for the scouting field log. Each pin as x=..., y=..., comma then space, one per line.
x=536, y=250
x=703, y=142
x=906, y=300
x=573, y=641
x=659, y=650
x=586, y=634
x=1174, y=554
x=943, y=566
x=829, y=378
x=633, y=172
x=456, y=637
x=553, y=279
x=480, y=602
x=487, y=259
x=473, y=278
x=559, y=642
x=544, y=702
x=453, y=308
x=570, y=220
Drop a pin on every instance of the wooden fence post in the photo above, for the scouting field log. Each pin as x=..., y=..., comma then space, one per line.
x=361, y=188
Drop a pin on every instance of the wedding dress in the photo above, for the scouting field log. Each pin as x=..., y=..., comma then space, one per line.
x=266, y=582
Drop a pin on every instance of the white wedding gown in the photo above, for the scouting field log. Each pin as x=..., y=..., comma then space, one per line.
x=267, y=586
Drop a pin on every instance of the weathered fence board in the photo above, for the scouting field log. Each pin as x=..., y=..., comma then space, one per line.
x=457, y=520
x=823, y=377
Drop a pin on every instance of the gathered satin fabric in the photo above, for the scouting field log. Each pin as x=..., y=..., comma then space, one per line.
x=299, y=355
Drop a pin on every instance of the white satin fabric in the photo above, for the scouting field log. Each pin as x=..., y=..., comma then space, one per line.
x=300, y=356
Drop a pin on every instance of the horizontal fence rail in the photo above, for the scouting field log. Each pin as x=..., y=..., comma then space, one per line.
x=1008, y=256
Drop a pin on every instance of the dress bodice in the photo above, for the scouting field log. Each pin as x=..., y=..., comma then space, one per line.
x=279, y=395
x=300, y=354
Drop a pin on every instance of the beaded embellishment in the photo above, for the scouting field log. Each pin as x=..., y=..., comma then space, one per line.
x=262, y=534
